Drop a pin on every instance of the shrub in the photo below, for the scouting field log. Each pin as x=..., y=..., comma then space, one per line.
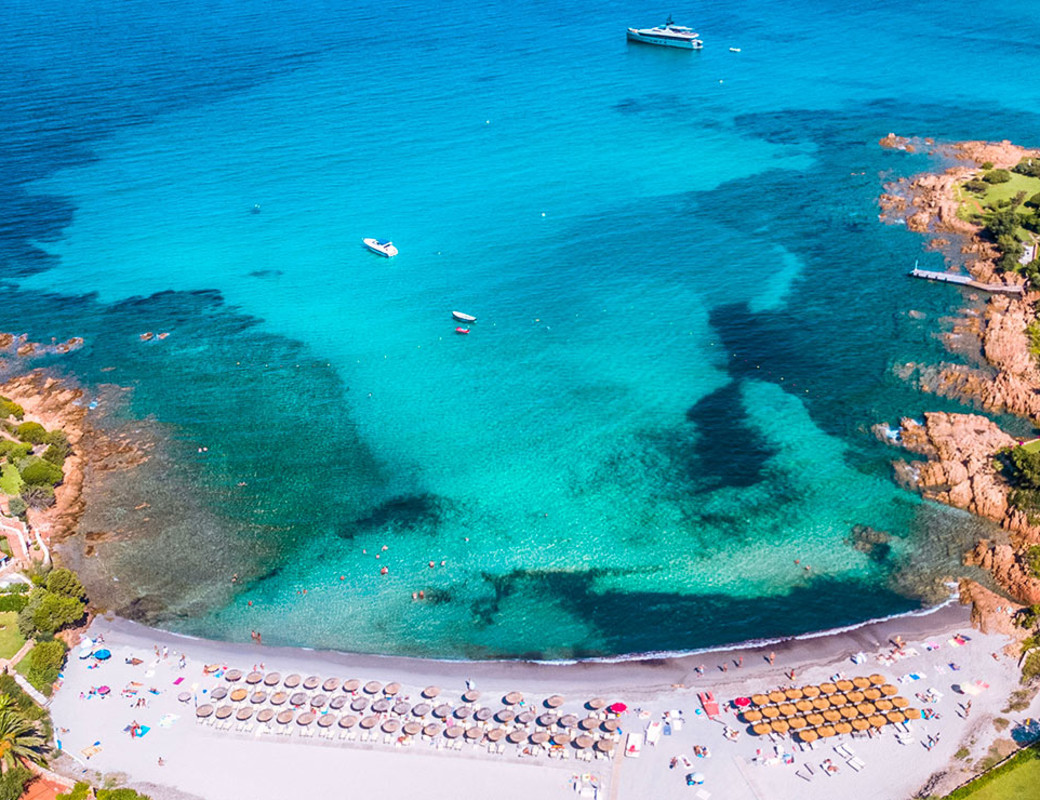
x=13, y=602
x=58, y=439
x=45, y=662
x=1031, y=666
x=1034, y=201
x=65, y=582
x=9, y=408
x=1002, y=223
x=13, y=451
x=38, y=496
x=32, y=432
x=1032, y=559
x=997, y=176
x=17, y=506
x=47, y=613
x=38, y=472
x=13, y=782
x=81, y=791
x=976, y=185
x=14, y=588
x=55, y=455
x=987, y=165
x=1028, y=166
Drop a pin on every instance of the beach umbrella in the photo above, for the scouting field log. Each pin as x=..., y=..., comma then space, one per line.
x=103, y=690
x=326, y=720
x=431, y=692
x=872, y=694
x=305, y=719
x=238, y=695
x=539, y=736
x=810, y=691
x=604, y=745
x=516, y=736
x=412, y=728
x=849, y=712
x=264, y=714
x=815, y=719
x=568, y=721
x=618, y=708
x=292, y=681
x=793, y=693
x=808, y=735
x=584, y=742
x=877, y=679
x=771, y=712
x=204, y=711
x=596, y=703
x=878, y=721
x=470, y=696
x=351, y=685
x=373, y=686
x=401, y=708
x=330, y=685
x=561, y=738
x=776, y=696
x=369, y=722
x=760, y=699
x=218, y=694
x=843, y=728
x=900, y=702
x=232, y=675
x=866, y=709
x=505, y=715
x=895, y=717
x=272, y=678
x=787, y=709
x=285, y=717
x=462, y=712
x=821, y=703
x=483, y=714
x=797, y=722
x=754, y=715
x=912, y=713
x=525, y=717
x=803, y=705
x=381, y=705
x=512, y=698
x=826, y=731
x=443, y=710
x=832, y=715
x=838, y=699
x=337, y=702
x=349, y=721
x=883, y=704
x=318, y=701
x=547, y=720
x=391, y=689
x=761, y=729
x=589, y=724
x=391, y=725
x=610, y=725
x=298, y=699
x=454, y=731
x=254, y=678
x=780, y=726
x=359, y=704
x=421, y=709
x=555, y=701
x=855, y=697
x=474, y=733
x=860, y=682
x=860, y=724
x=244, y=713
x=311, y=683
x=495, y=734
x=742, y=702
x=431, y=730
x=888, y=690
x=183, y=697
x=844, y=685
x=104, y=655
x=828, y=688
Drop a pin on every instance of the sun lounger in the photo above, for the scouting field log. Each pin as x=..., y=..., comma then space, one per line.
x=805, y=778
x=856, y=763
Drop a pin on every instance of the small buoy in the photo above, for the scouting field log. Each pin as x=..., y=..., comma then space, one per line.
x=341, y=577
x=250, y=602
x=383, y=571
x=432, y=565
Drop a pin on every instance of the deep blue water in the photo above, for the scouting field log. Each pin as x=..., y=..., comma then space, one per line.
x=689, y=315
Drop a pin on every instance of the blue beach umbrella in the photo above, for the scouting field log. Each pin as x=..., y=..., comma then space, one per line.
x=102, y=655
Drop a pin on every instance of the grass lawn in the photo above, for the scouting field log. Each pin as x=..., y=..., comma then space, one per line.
x=1019, y=777
x=1032, y=447
x=970, y=202
x=10, y=480
x=11, y=640
x=23, y=667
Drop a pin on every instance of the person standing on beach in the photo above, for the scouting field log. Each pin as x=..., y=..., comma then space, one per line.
x=772, y=657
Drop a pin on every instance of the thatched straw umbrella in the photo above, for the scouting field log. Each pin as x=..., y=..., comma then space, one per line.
x=588, y=724
x=431, y=692
x=776, y=696
x=810, y=691
x=326, y=720
x=849, y=712
x=604, y=745
x=761, y=729
x=843, y=728
x=895, y=717
x=254, y=678
x=855, y=697
x=233, y=675
x=272, y=679
x=278, y=698
x=754, y=715
x=258, y=697
x=264, y=715
x=793, y=693
x=432, y=729
x=204, y=711
x=844, y=685
x=804, y=705
x=218, y=694
x=391, y=689
x=569, y=721
x=900, y=702
x=798, y=722
x=555, y=701
x=369, y=722
x=496, y=735
x=442, y=711
x=760, y=699
x=888, y=690
x=547, y=720
x=474, y=733
x=780, y=726
x=401, y=708
x=244, y=713
x=351, y=685
x=505, y=715
x=877, y=679
x=285, y=717
x=483, y=714
x=787, y=710
x=298, y=699
x=516, y=736
x=538, y=737
x=421, y=709
x=292, y=681
x=596, y=703
x=454, y=731
x=860, y=682
x=883, y=704
x=828, y=688
x=462, y=712
x=832, y=715
x=512, y=698
x=838, y=699
x=348, y=721
x=381, y=706
x=373, y=687
x=337, y=702
x=808, y=735
x=877, y=721
x=872, y=694
x=859, y=724
x=821, y=703
x=470, y=696
x=770, y=712
x=311, y=683
x=391, y=725
x=359, y=704
x=826, y=731
x=912, y=713
x=584, y=742
x=319, y=701
x=866, y=709
x=815, y=719
x=305, y=719
x=330, y=685
x=239, y=694
x=611, y=725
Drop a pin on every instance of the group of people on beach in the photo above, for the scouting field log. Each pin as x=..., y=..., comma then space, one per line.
x=255, y=635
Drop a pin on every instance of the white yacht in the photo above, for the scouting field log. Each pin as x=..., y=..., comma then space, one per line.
x=381, y=246
x=667, y=35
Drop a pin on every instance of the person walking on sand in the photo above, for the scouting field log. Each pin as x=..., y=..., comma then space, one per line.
x=772, y=657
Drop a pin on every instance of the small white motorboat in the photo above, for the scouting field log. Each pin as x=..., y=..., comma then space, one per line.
x=463, y=317
x=382, y=246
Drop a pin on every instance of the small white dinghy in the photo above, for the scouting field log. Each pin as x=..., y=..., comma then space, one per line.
x=463, y=317
x=382, y=246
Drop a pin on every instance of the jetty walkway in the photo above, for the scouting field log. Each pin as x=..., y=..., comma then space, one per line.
x=965, y=280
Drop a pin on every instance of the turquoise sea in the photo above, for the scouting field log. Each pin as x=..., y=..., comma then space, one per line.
x=689, y=314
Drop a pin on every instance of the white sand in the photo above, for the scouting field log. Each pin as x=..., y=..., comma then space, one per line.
x=226, y=765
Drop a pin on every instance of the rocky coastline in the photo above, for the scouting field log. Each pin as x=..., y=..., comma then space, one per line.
x=960, y=464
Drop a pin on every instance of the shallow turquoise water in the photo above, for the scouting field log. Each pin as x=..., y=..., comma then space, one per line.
x=688, y=312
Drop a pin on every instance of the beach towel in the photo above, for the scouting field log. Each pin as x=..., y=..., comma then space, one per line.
x=93, y=750
x=178, y=681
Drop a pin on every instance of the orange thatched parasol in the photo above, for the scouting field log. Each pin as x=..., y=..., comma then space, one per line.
x=771, y=712
x=900, y=702
x=776, y=696
x=913, y=713
x=844, y=685
x=793, y=693
x=860, y=724
x=761, y=729
x=787, y=710
x=826, y=731
x=877, y=680
x=828, y=688
x=821, y=703
x=860, y=682
x=803, y=705
x=810, y=691
x=760, y=699
x=808, y=735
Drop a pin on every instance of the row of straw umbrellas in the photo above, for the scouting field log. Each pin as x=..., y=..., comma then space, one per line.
x=827, y=709
x=261, y=697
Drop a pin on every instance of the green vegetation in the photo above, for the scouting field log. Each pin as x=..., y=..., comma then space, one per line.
x=21, y=737
x=11, y=639
x=45, y=662
x=46, y=613
x=13, y=451
x=37, y=472
x=81, y=791
x=1032, y=558
x=31, y=432
x=65, y=582
x=9, y=408
x=17, y=506
x=10, y=480
x=997, y=176
x=1016, y=777
x=12, y=783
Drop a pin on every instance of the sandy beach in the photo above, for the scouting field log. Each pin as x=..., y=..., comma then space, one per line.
x=200, y=759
